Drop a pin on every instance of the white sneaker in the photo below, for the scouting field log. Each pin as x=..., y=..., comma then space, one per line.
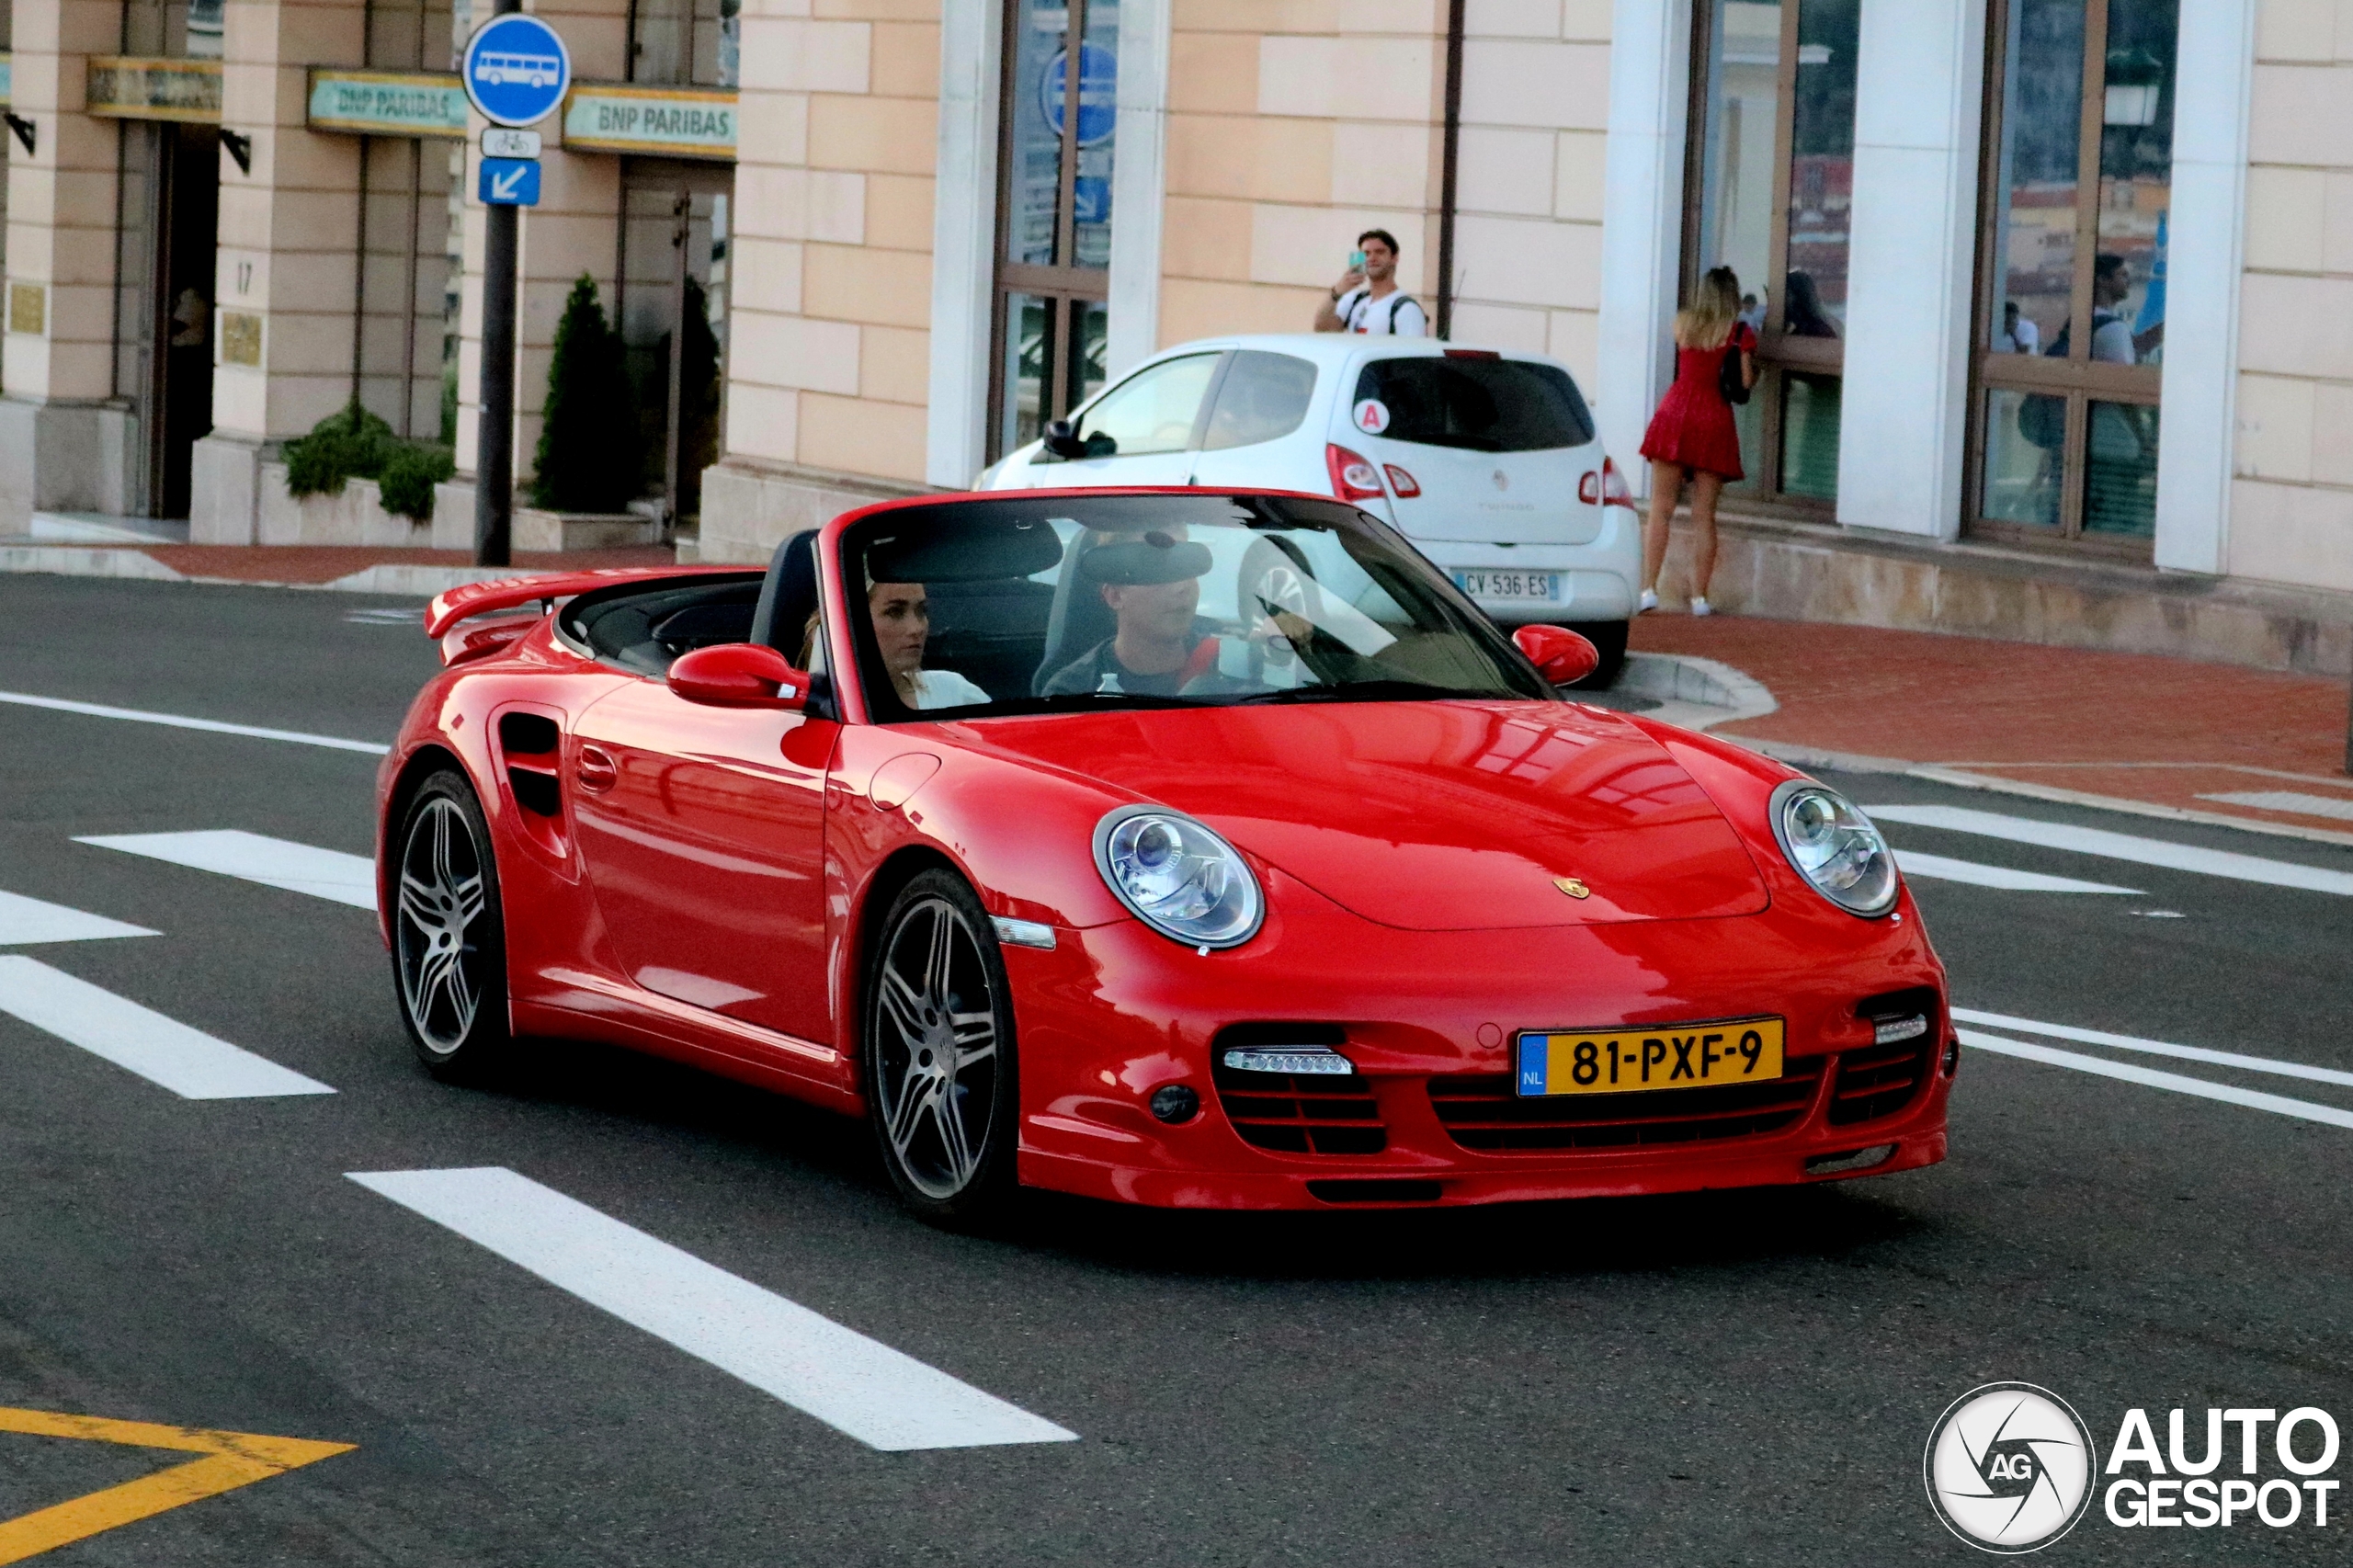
x=1649, y=603
x=1699, y=605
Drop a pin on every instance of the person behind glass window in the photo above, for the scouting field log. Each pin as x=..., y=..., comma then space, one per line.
x=901, y=614
x=1806, y=317
x=2019, y=335
x=1152, y=584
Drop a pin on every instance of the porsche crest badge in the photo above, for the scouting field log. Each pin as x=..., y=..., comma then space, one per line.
x=1573, y=887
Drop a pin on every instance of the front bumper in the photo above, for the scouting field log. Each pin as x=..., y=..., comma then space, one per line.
x=1117, y=1013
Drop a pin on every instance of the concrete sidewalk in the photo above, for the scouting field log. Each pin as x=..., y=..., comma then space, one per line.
x=2137, y=732
x=356, y=568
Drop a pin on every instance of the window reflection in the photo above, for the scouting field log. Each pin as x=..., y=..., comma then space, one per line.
x=2120, y=470
x=1822, y=166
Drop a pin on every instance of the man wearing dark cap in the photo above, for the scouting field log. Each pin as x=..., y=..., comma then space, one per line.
x=1152, y=584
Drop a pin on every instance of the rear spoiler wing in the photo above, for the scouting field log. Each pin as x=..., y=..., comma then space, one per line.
x=465, y=602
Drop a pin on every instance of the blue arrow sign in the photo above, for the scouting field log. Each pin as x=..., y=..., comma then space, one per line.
x=515, y=69
x=510, y=182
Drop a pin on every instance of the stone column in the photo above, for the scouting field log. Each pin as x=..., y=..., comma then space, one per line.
x=62, y=436
x=288, y=254
x=1905, y=420
x=1641, y=226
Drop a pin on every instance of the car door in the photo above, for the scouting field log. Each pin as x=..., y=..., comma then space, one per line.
x=702, y=832
x=1141, y=432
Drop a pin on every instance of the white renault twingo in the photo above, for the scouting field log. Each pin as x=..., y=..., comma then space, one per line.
x=1485, y=458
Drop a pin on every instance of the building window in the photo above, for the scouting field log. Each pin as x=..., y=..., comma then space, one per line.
x=1768, y=192
x=1053, y=213
x=2078, y=184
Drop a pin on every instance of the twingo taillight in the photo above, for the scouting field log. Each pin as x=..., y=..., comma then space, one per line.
x=1353, y=478
x=1400, y=481
x=1615, y=492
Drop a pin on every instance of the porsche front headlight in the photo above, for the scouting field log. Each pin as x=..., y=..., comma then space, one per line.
x=1834, y=847
x=1178, y=878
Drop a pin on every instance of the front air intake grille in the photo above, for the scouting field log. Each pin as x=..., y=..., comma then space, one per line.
x=1878, y=1080
x=1319, y=1113
x=1480, y=1112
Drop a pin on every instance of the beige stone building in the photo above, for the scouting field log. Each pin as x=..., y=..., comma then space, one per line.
x=2056, y=296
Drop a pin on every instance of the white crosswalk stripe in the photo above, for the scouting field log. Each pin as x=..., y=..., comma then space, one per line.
x=273, y=862
x=865, y=1389
x=24, y=921
x=2158, y=1047
x=182, y=722
x=2118, y=846
x=1918, y=863
x=192, y=1064
x=2231, y=1094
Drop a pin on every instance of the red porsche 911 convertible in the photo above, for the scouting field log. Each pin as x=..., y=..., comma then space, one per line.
x=1177, y=847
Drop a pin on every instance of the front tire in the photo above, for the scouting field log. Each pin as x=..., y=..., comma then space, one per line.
x=449, y=931
x=1609, y=639
x=939, y=1071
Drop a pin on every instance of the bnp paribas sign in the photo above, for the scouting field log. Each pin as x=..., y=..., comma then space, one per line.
x=676, y=122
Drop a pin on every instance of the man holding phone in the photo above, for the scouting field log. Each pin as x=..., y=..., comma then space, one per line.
x=1367, y=299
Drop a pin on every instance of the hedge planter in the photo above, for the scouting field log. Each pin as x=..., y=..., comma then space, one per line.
x=354, y=517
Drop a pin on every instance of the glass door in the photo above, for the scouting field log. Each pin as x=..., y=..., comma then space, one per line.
x=2078, y=184
x=1768, y=192
x=1053, y=213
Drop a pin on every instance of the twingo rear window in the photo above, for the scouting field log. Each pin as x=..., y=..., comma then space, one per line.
x=1483, y=406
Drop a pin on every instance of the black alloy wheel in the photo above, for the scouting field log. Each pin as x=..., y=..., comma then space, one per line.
x=939, y=1073
x=449, y=946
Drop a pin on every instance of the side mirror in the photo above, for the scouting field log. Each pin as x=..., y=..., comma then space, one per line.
x=739, y=674
x=1560, y=656
x=1062, y=439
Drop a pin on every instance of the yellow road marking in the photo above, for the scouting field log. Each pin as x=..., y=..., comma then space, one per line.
x=231, y=1460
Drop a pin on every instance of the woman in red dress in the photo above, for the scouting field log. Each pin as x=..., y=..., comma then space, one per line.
x=1692, y=436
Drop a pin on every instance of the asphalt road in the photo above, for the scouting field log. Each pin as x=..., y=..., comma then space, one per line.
x=1727, y=1378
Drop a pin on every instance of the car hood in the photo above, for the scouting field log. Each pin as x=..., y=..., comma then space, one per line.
x=1428, y=816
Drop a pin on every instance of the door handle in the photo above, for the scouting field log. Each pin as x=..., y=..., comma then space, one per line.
x=596, y=770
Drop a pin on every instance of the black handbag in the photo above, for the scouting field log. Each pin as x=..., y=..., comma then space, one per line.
x=1729, y=380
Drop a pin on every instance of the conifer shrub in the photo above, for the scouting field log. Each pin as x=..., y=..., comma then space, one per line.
x=588, y=454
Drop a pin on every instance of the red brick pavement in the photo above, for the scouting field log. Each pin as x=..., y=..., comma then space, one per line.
x=2135, y=726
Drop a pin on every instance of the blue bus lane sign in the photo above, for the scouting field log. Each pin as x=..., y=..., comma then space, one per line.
x=515, y=69
x=509, y=182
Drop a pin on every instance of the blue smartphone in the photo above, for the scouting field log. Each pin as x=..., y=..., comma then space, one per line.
x=1356, y=261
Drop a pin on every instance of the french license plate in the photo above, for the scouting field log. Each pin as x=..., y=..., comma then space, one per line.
x=1484, y=585
x=1621, y=1060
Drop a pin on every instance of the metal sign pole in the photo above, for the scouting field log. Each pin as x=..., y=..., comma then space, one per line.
x=494, y=439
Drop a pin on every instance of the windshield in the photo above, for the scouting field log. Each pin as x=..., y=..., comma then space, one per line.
x=1475, y=401
x=1079, y=602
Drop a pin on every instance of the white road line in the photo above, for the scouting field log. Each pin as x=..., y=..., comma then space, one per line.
x=2278, y=1104
x=2159, y=1048
x=2118, y=846
x=2296, y=800
x=163, y=1051
x=273, y=862
x=182, y=722
x=1917, y=864
x=26, y=920
x=877, y=1395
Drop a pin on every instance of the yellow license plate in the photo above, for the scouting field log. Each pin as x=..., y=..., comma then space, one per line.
x=1622, y=1061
